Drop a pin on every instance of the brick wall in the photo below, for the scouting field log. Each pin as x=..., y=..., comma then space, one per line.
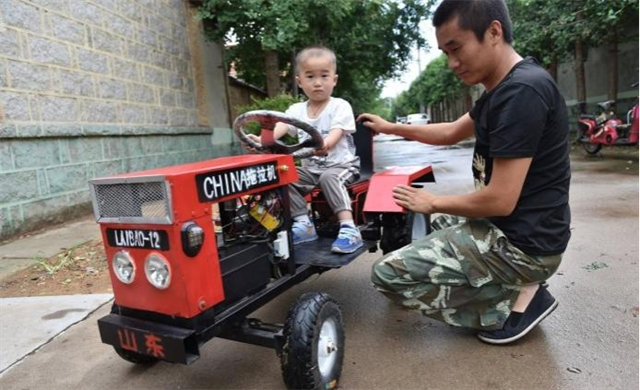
x=87, y=89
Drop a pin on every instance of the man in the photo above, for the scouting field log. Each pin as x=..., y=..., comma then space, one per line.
x=485, y=265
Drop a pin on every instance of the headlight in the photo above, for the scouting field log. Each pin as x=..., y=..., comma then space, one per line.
x=192, y=238
x=123, y=267
x=158, y=271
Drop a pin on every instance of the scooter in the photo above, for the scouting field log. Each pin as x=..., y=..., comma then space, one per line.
x=607, y=130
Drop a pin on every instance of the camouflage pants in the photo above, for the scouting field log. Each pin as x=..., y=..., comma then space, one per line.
x=465, y=273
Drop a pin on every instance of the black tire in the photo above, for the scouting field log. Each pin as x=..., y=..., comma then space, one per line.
x=399, y=230
x=314, y=321
x=135, y=357
x=591, y=148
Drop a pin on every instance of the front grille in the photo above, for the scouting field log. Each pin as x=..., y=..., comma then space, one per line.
x=132, y=200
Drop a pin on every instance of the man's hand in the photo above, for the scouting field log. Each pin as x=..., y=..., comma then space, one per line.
x=376, y=123
x=414, y=199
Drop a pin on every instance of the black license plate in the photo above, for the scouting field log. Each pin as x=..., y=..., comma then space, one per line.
x=138, y=238
x=161, y=341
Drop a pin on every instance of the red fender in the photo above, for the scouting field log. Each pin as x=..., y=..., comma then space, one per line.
x=380, y=198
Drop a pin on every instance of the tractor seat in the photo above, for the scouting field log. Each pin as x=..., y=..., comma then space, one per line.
x=605, y=106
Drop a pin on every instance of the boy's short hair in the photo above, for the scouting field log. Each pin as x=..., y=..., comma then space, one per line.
x=315, y=51
x=475, y=15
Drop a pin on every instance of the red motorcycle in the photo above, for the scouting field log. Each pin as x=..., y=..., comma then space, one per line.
x=606, y=130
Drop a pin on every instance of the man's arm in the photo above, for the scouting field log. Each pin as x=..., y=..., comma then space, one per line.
x=435, y=134
x=499, y=198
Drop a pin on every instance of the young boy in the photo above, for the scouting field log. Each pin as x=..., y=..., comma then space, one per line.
x=336, y=164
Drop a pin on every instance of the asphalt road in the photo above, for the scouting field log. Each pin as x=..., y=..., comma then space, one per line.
x=589, y=342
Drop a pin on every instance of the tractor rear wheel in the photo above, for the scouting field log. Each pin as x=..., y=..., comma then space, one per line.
x=399, y=230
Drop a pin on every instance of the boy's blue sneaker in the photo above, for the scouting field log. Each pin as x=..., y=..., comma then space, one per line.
x=348, y=241
x=303, y=232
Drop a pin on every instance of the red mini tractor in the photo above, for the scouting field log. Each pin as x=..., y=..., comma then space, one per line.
x=194, y=249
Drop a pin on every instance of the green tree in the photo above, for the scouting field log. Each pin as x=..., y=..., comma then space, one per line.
x=371, y=38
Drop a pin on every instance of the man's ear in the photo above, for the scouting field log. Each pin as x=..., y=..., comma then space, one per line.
x=494, y=32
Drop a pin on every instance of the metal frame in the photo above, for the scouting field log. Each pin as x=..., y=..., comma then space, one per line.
x=168, y=220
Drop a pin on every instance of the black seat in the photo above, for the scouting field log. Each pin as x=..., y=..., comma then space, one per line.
x=363, y=140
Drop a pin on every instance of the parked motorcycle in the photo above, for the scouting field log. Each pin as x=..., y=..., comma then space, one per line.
x=607, y=130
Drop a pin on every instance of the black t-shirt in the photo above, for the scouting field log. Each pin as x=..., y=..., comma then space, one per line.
x=526, y=116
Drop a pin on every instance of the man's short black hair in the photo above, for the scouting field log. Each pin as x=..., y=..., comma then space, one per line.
x=475, y=15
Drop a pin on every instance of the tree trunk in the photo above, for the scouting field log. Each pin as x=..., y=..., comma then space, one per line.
x=613, y=66
x=553, y=66
x=581, y=90
x=294, y=84
x=272, y=71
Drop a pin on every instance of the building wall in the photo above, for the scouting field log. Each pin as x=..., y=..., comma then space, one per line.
x=92, y=88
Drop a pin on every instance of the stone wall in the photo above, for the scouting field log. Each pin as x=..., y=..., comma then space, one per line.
x=90, y=88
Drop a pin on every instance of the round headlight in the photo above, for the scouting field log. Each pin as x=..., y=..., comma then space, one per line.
x=124, y=267
x=158, y=271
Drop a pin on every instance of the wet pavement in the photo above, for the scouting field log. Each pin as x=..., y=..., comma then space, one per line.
x=589, y=342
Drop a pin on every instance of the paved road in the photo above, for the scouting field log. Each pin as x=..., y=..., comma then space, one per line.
x=590, y=342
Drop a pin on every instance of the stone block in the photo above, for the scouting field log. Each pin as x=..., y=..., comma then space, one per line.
x=140, y=93
x=161, y=60
x=187, y=100
x=61, y=130
x=6, y=162
x=101, y=129
x=140, y=163
x=43, y=186
x=9, y=43
x=29, y=76
x=167, y=98
x=5, y=221
x=92, y=61
x=67, y=178
x=87, y=12
x=61, y=6
x=44, y=210
x=79, y=197
x=130, y=10
x=107, y=168
x=47, y=51
x=7, y=130
x=58, y=109
x=35, y=153
x=28, y=130
x=132, y=113
x=119, y=25
x=153, y=76
x=16, y=13
x=113, y=89
x=66, y=29
x=152, y=144
x=105, y=41
x=126, y=69
x=15, y=106
x=18, y=186
x=3, y=74
x=137, y=51
x=148, y=36
x=176, y=81
x=177, y=117
x=172, y=143
x=132, y=146
x=76, y=83
x=157, y=115
x=84, y=149
x=97, y=111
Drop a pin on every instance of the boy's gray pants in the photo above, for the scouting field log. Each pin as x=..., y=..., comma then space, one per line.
x=333, y=182
x=465, y=273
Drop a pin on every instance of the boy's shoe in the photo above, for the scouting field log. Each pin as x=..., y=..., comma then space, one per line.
x=303, y=232
x=348, y=241
x=542, y=304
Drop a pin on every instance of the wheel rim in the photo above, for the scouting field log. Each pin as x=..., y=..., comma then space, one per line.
x=419, y=227
x=327, y=347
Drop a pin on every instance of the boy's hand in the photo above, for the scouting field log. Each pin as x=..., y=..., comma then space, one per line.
x=322, y=152
x=254, y=138
x=375, y=123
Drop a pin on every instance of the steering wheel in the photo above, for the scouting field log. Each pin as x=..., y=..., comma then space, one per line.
x=267, y=120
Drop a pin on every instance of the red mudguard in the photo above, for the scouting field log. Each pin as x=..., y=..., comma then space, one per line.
x=380, y=198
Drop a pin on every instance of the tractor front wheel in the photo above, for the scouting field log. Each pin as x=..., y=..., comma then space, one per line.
x=313, y=349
